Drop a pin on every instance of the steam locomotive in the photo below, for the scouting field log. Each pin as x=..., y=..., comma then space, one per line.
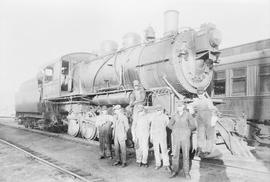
x=169, y=68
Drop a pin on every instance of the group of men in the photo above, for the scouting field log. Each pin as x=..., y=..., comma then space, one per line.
x=187, y=121
x=113, y=127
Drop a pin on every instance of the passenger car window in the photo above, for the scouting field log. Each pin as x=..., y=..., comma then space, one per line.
x=219, y=83
x=239, y=83
x=264, y=77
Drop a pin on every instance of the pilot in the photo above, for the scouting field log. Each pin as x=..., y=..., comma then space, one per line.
x=182, y=125
x=158, y=136
x=120, y=129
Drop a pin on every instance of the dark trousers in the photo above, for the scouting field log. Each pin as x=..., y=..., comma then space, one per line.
x=185, y=146
x=105, y=141
x=120, y=150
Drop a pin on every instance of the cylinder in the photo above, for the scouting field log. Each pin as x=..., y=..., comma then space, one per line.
x=171, y=22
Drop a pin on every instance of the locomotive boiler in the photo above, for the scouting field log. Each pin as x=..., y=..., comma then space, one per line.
x=168, y=68
x=185, y=59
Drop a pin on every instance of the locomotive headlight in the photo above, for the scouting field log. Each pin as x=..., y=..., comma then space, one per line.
x=215, y=37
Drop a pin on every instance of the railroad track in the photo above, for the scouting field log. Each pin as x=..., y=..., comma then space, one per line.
x=75, y=172
x=78, y=173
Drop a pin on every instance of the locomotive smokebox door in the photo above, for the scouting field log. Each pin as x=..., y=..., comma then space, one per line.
x=190, y=71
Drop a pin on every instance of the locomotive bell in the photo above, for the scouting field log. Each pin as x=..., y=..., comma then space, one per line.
x=149, y=34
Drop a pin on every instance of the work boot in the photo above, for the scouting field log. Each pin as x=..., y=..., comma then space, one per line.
x=101, y=157
x=182, y=173
x=174, y=174
x=204, y=154
x=145, y=165
x=199, y=151
x=157, y=167
x=187, y=176
x=117, y=163
x=124, y=165
x=167, y=168
x=139, y=164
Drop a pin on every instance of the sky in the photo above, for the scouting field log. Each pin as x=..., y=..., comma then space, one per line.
x=34, y=32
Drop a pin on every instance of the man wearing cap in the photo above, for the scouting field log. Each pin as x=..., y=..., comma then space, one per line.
x=104, y=123
x=182, y=125
x=140, y=134
x=137, y=97
x=120, y=128
x=206, y=116
x=158, y=135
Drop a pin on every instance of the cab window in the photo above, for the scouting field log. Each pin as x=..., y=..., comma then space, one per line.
x=48, y=74
x=64, y=76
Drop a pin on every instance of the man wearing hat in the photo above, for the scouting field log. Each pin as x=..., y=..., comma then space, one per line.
x=104, y=124
x=140, y=134
x=158, y=135
x=120, y=129
x=206, y=113
x=182, y=125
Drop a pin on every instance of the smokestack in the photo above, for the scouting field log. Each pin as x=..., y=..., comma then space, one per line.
x=171, y=22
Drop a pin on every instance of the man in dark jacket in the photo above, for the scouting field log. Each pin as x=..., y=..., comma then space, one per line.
x=182, y=124
x=104, y=123
x=120, y=128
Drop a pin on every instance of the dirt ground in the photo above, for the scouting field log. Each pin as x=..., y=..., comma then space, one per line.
x=85, y=157
x=18, y=167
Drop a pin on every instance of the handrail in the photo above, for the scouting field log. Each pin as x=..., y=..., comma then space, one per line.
x=181, y=97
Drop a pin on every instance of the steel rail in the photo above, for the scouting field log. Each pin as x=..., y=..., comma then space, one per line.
x=194, y=160
x=50, y=163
